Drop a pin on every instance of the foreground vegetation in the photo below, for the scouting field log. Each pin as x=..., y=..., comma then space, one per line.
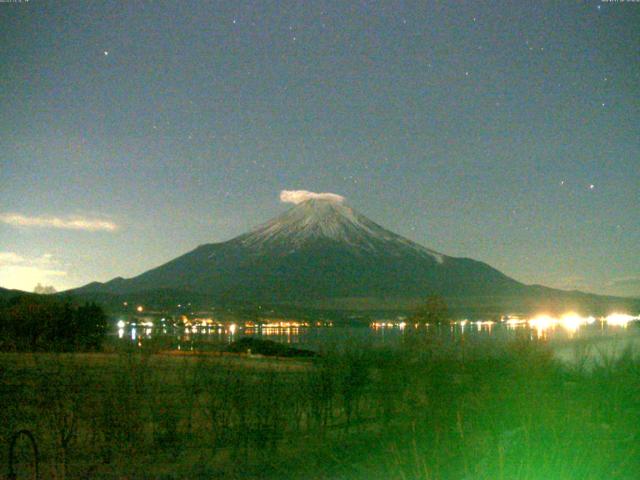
x=434, y=409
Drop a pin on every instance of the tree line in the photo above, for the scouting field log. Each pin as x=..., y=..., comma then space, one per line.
x=38, y=323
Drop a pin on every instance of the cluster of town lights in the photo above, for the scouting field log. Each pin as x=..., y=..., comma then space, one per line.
x=542, y=323
x=571, y=322
x=207, y=324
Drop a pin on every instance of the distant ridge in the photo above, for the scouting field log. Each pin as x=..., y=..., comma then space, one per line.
x=6, y=293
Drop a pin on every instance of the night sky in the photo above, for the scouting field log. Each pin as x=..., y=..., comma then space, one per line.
x=508, y=132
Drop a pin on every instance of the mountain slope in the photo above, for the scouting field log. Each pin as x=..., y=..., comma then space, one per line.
x=6, y=294
x=319, y=251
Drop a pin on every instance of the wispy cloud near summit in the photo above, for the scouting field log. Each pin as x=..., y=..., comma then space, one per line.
x=299, y=196
x=71, y=223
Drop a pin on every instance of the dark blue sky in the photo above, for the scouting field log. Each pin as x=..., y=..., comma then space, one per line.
x=131, y=132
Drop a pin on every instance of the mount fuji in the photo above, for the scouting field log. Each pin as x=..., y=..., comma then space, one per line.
x=322, y=253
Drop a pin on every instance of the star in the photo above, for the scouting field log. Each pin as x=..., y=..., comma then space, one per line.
x=106, y=53
x=592, y=186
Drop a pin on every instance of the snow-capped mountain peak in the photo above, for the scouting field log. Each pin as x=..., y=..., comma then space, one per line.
x=323, y=219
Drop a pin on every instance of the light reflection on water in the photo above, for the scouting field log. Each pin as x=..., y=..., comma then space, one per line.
x=383, y=333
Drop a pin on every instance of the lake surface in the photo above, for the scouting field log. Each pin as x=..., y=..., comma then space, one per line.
x=603, y=336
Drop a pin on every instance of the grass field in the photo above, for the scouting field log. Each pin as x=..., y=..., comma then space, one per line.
x=432, y=409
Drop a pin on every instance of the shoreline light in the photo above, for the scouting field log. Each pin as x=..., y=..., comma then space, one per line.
x=620, y=319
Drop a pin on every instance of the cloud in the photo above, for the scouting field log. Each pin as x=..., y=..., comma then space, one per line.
x=69, y=223
x=299, y=196
x=633, y=281
x=623, y=286
x=10, y=258
x=628, y=286
x=24, y=273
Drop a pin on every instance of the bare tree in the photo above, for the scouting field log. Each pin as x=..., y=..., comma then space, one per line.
x=433, y=311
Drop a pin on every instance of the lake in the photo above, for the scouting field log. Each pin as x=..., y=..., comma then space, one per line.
x=566, y=335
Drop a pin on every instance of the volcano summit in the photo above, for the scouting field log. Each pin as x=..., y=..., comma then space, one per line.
x=324, y=254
